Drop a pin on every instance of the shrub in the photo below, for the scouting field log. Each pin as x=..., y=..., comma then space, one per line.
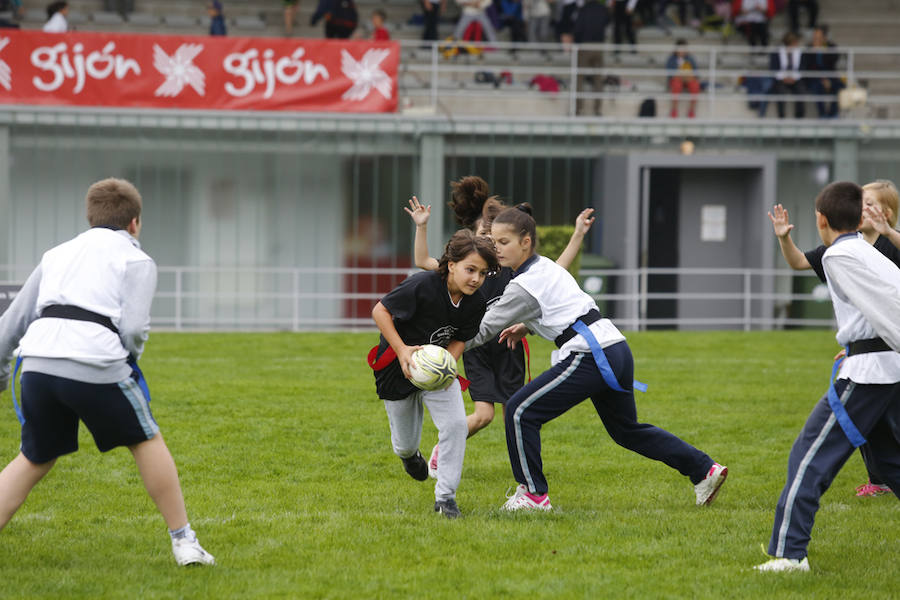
x=552, y=240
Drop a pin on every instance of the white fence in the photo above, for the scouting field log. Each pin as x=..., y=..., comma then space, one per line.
x=321, y=299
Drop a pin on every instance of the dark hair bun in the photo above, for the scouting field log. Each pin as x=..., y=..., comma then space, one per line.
x=467, y=198
x=525, y=208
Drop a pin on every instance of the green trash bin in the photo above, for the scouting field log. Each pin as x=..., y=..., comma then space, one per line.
x=597, y=285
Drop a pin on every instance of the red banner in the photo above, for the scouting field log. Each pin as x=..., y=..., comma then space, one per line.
x=165, y=71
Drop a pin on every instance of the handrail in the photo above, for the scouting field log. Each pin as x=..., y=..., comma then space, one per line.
x=295, y=298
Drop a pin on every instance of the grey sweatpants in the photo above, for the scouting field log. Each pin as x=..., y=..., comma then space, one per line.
x=486, y=28
x=449, y=415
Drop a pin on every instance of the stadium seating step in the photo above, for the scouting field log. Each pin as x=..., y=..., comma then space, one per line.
x=107, y=18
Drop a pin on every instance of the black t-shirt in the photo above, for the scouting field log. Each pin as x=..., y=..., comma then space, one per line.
x=493, y=286
x=882, y=244
x=423, y=314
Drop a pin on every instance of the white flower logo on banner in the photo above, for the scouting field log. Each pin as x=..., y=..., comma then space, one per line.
x=179, y=70
x=366, y=74
x=5, y=71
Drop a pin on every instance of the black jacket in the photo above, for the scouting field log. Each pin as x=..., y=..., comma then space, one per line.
x=591, y=23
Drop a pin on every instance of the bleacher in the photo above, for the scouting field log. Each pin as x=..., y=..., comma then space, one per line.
x=860, y=23
x=462, y=83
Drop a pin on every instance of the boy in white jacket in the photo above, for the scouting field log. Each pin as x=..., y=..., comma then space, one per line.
x=863, y=404
x=80, y=322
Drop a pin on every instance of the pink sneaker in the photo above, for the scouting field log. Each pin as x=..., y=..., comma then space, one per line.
x=872, y=489
x=432, y=463
x=522, y=499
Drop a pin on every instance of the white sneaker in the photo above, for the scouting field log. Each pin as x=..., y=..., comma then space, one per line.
x=522, y=500
x=432, y=463
x=707, y=489
x=190, y=552
x=510, y=500
x=784, y=565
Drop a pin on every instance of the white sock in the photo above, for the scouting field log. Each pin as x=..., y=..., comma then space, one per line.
x=184, y=533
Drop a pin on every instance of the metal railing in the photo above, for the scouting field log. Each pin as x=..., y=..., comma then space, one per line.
x=319, y=299
x=749, y=298
x=322, y=299
x=435, y=78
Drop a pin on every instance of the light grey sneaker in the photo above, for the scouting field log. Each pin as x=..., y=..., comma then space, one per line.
x=190, y=552
x=707, y=489
x=781, y=565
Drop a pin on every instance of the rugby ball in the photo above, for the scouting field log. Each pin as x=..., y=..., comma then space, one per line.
x=432, y=368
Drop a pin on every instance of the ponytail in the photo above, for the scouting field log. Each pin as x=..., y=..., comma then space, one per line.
x=467, y=199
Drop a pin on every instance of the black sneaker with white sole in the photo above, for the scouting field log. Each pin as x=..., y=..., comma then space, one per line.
x=416, y=466
x=448, y=508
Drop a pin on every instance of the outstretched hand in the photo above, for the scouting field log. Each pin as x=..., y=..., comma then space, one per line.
x=781, y=223
x=584, y=221
x=418, y=212
x=874, y=215
x=513, y=334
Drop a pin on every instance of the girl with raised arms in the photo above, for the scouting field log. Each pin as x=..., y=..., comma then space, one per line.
x=594, y=362
x=432, y=307
x=495, y=371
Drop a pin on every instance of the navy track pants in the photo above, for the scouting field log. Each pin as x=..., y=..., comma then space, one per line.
x=567, y=384
x=821, y=450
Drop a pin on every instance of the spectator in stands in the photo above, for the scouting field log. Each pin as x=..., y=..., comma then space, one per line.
x=696, y=6
x=512, y=17
x=290, y=11
x=752, y=18
x=786, y=63
x=379, y=31
x=646, y=12
x=565, y=23
x=474, y=11
x=623, y=11
x=431, y=15
x=123, y=7
x=340, y=17
x=216, y=18
x=682, y=68
x=537, y=15
x=15, y=8
x=590, y=28
x=716, y=16
x=821, y=56
x=56, y=18
x=812, y=12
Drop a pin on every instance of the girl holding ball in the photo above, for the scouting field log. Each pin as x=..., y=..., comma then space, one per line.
x=443, y=308
x=494, y=370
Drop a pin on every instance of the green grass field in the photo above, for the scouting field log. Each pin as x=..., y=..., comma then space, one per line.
x=285, y=461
